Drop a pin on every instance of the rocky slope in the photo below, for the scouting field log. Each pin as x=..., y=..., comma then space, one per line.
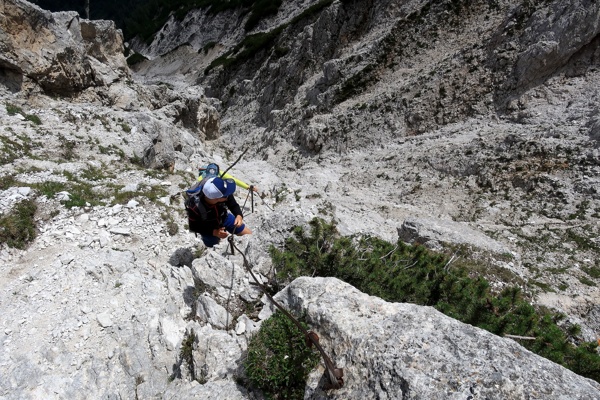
x=101, y=303
x=475, y=114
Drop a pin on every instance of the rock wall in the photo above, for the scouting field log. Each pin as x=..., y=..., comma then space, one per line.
x=476, y=113
x=340, y=75
x=57, y=51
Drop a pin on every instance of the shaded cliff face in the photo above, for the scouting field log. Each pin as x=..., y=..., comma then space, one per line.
x=339, y=75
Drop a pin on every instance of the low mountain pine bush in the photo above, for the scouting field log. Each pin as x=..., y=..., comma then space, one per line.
x=279, y=360
x=412, y=273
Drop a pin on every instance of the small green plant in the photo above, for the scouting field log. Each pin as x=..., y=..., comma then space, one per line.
x=18, y=228
x=93, y=174
x=199, y=252
x=207, y=47
x=103, y=149
x=51, y=188
x=68, y=148
x=594, y=271
x=155, y=192
x=582, y=242
x=7, y=181
x=279, y=359
x=136, y=160
x=122, y=197
x=11, y=109
x=125, y=127
x=280, y=194
x=13, y=149
x=186, y=353
x=104, y=121
x=172, y=227
x=80, y=193
x=581, y=211
x=33, y=118
x=563, y=287
x=587, y=281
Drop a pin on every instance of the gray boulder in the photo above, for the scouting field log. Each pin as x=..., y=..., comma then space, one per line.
x=432, y=232
x=396, y=350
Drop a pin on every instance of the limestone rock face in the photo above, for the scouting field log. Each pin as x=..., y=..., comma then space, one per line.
x=200, y=29
x=477, y=119
x=394, y=350
x=432, y=233
x=555, y=34
x=57, y=51
x=342, y=75
x=401, y=119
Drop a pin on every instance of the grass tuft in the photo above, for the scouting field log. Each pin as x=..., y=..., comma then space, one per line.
x=18, y=228
x=279, y=359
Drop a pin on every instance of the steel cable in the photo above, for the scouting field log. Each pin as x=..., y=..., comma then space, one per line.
x=334, y=374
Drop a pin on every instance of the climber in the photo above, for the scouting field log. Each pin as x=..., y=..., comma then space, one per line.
x=214, y=213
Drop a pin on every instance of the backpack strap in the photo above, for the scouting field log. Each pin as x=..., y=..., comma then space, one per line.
x=196, y=188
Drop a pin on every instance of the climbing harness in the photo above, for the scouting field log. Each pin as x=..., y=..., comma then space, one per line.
x=334, y=374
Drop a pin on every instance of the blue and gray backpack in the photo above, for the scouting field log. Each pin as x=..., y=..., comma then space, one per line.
x=193, y=206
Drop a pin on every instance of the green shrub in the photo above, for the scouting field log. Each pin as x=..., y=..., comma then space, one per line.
x=50, y=188
x=403, y=273
x=10, y=149
x=17, y=228
x=186, y=353
x=92, y=173
x=7, y=181
x=68, y=148
x=594, y=272
x=77, y=198
x=33, y=118
x=80, y=193
x=279, y=360
x=208, y=46
x=11, y=109
x=126, y=128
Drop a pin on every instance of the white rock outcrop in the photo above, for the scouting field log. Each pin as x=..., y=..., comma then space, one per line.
x=405, y=351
